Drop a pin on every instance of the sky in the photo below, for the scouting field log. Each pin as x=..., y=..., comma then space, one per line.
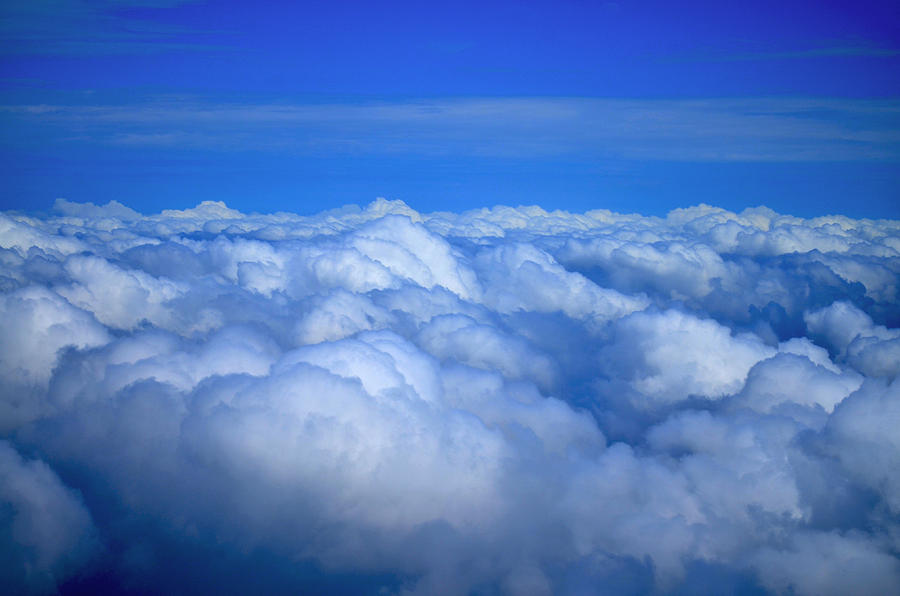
x=300, y=106
x=510, y=299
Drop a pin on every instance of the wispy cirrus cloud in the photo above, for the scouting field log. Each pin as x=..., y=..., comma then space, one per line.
x=705, y=130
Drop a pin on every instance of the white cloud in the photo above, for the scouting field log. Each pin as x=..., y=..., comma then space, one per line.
x=872, y=349
x=864, y=428
x=521, y=277
x=792, y=379
x=671, y=356
x=507, y=399
x=119, y=299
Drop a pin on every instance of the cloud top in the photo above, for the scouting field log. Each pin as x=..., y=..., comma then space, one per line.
x=506, y=400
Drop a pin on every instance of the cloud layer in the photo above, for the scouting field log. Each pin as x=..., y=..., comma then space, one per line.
x=499, y=401
x=680, y=130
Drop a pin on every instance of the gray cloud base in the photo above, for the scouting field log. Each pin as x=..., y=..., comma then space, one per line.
x=500, y=401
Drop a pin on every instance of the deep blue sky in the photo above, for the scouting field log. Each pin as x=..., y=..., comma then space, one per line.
x=641, y=106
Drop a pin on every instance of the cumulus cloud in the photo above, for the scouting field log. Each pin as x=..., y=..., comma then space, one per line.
x=45, y=531
x=848, y=331
x=671, y=356
x=507, y=400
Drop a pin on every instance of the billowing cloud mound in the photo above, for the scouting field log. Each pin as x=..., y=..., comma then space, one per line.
x=502, y=401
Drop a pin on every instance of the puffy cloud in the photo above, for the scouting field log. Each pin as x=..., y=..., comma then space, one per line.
x=461, y=339
x=674, y=268
x=24, y=234
x=410, y=251
x=872, y=349
x=46, y=533
x=117, y=298
x=521, y=277
x=340, y=314
x=670, y=356
x=113, y=210
x=827, y=563
x=863, y=433
x=36, y=325
x=507, y=400
x=734, y=464
x=791, y=379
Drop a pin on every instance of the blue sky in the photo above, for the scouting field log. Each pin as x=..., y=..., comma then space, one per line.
x=631, y=106
x=403, y=399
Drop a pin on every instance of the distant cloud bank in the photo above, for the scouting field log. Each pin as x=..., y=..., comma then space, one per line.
x=505, y=400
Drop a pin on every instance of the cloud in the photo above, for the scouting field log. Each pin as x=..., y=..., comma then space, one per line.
x=850, y=332
x=37, y=325
x=680, y=130
x=506, y=400
x=810, y=564
x=46, y=533
x=671, y=356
